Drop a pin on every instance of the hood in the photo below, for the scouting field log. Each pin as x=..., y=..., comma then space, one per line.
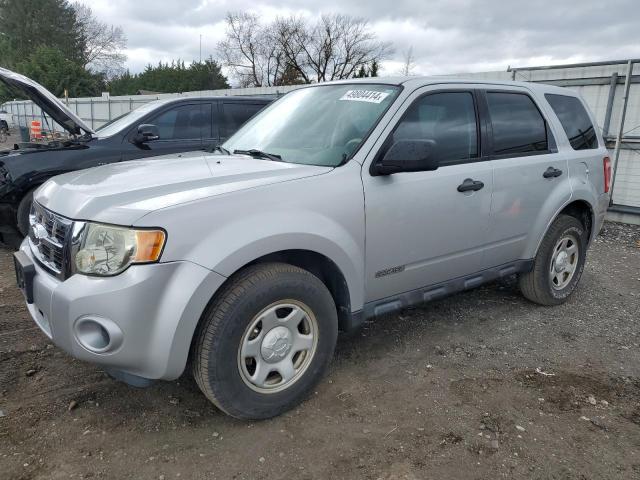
x=121, y=193
x=46, y=100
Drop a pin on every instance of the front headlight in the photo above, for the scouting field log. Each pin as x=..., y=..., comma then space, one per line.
x=108, y=250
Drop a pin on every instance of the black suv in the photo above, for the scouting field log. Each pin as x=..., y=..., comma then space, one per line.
x=156, y=128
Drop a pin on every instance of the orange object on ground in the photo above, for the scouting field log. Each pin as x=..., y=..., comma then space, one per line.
x=36, y=130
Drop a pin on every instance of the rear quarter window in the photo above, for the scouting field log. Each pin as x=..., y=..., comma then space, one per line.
x=575, y=121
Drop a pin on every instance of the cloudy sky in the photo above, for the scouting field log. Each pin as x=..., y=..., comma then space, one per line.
x=451, y=36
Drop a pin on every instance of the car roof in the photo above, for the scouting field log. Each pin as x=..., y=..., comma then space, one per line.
x=423, y=81
x=232, y=98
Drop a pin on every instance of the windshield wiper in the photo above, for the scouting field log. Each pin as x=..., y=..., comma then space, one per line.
x=259, y=154
x=217, y=147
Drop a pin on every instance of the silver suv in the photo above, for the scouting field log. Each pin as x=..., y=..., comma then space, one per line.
x=339, y=202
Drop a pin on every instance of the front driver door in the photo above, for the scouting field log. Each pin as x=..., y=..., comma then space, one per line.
x=420, y=230
x=182, y=128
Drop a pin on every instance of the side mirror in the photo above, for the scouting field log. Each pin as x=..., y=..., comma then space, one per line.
x=146, y=133
x=407, y=156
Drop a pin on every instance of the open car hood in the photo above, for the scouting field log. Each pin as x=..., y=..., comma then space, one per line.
x=46, y=100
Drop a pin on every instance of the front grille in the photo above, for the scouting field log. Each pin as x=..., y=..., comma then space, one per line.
x=48, y=238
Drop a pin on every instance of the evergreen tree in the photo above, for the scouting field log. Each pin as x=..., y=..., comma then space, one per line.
x=361, y=73
x=171, y=77
x=290, y=76
x=57, y=73
x=365, y=72
x=29, y=24
x=373, y=70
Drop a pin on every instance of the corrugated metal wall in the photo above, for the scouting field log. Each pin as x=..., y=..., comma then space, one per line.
x=593, y=82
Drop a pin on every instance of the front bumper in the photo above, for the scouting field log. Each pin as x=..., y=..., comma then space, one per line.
x=150, y=310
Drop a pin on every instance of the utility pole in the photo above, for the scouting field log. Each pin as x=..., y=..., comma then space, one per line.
x=200, y=48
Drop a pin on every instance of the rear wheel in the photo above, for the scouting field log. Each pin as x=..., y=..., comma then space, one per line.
x=558, y=265
x=265, y=341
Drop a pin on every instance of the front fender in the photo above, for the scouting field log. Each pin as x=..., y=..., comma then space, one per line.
x=322, y=214
x=347, y=257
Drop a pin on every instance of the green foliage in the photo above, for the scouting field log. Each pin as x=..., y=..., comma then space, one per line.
x=49, y=40
x=290, y=76
x=371, y=71
x=171, y=77
x=50, y=67
x=27, y=25
x=43, y=40
x=361, y=73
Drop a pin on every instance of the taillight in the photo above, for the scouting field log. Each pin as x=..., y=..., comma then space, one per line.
x=606, y=163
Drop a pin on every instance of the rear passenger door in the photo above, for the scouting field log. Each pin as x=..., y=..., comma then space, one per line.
x=530, y=176
x=420, y=228
x=235, y=114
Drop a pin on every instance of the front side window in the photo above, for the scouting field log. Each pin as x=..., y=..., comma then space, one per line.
x=575, y=121
x=518, y=127
x=321, y=125
x=185, y=122
x=126, y=120
x=448, y=119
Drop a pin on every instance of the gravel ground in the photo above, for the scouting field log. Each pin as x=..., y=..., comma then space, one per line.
x=480, y=385
x=9, y=140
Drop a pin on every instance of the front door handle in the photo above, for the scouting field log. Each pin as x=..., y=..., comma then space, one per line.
x=470, y=185
x=552, y=172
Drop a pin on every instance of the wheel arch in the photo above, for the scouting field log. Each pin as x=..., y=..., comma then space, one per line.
x=578, y=208
x=323, y=267
x=583, y=212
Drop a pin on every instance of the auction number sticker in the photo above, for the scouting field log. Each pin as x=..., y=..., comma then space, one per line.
x=370, y=96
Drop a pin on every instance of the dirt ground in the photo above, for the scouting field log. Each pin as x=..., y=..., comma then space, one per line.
x=480, y=385
x=9, y=140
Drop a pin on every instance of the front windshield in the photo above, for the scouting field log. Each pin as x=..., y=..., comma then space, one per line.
x=320, y=125
x=123, y=121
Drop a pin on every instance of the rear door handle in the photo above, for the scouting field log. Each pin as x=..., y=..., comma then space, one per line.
x=552, y=172
x=470, y=185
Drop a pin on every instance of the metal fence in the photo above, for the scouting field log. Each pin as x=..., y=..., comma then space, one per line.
x=96, y=111
x=611, y=89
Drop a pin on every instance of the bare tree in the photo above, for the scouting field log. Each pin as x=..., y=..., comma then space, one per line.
x=339, y=45
x=334, y=47
x=408, y=63
x=250, y=51
x=289, y=35
x=103, y=43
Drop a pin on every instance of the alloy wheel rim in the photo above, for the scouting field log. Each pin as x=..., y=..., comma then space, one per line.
x=564, y=262
x=278, y=346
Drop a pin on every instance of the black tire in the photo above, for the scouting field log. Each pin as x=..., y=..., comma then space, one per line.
x=537, y=285
x=215, y=357
x=24, y=207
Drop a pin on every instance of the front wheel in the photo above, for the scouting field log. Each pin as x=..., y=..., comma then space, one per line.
x=558, y=264
x=24, y=208
x=265, y=341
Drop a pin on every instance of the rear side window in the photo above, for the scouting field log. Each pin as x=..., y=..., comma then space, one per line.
x=575, y=121
x=234, y=115
x=185, y=122
x=518, y=127
x=447, y=118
